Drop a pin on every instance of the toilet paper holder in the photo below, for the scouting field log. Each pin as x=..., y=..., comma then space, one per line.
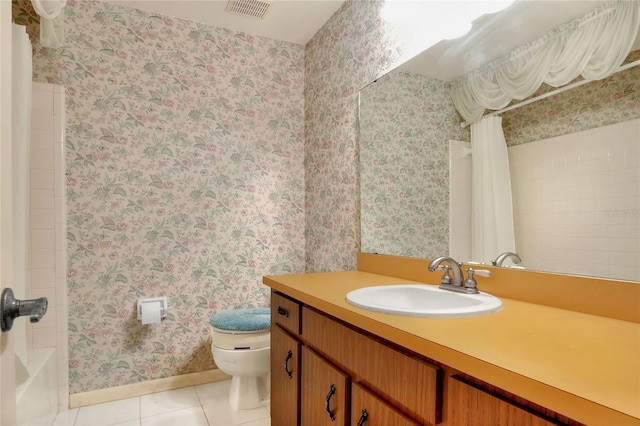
x=153, y=301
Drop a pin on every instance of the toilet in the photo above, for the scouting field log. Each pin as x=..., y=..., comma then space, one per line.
x=240, y=342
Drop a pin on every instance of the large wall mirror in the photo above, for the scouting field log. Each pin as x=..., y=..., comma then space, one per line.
x=574, y=157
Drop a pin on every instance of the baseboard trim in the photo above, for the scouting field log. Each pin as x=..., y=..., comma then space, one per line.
x=144, y=388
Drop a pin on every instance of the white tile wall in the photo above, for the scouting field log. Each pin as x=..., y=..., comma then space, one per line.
x=48, y=227
x=577, y=202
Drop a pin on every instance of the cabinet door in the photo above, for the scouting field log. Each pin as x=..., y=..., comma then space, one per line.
x=398, y=378
x=470, y=405
x=324, y=392
x=285, y=378
x=368, y=410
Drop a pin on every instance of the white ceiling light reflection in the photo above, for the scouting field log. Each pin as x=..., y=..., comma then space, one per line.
x=433, y=21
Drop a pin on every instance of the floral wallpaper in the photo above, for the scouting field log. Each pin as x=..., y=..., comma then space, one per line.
x=406, y=121
x=185, y=179
x=352, y=49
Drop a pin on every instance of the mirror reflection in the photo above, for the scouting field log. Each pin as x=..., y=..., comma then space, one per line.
x=573, y=157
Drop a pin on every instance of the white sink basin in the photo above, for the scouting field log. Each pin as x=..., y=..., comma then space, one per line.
x=421, y=300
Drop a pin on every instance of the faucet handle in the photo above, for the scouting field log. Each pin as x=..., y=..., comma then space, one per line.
x=470, y=283
x=446, y=278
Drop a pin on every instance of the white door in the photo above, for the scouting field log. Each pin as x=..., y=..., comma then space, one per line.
x=7, y=352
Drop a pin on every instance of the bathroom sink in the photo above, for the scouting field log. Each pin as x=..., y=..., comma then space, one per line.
x=421, y=300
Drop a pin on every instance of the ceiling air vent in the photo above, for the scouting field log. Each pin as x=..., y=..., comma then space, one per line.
x=251, y=8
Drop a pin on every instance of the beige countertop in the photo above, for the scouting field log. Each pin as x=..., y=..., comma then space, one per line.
x=583, y=366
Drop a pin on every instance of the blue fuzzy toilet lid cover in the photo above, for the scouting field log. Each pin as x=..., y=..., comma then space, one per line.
x=242, y=319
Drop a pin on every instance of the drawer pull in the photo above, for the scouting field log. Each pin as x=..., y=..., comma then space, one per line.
x=332, y=414
x=283, y=311
x=286, y=364
x=363, y=417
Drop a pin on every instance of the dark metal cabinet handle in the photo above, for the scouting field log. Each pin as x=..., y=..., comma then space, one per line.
x=11, y=308
x=332, y=414
x=286, y=364
x=283, y=311
x=363, y=417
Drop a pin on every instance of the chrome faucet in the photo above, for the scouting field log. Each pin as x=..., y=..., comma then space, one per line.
x=12, y=308
x=507, y=254
x=453, y=265
x=456, y=282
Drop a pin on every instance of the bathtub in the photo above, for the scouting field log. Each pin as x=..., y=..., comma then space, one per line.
x=37, y=390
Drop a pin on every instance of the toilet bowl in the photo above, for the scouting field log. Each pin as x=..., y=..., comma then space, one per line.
x=240, y=346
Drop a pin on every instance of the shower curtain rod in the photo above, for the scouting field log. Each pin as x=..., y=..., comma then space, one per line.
x=553, y=92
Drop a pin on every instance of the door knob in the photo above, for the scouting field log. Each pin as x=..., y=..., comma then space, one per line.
x=11, y=308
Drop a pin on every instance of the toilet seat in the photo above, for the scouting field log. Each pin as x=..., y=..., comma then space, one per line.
x=242, y=329
x=240, y=340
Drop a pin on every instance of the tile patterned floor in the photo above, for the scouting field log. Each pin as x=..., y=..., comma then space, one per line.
x=205, y=405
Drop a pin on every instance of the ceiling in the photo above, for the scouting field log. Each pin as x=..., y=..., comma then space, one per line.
x=295, y=21
x=495, y=35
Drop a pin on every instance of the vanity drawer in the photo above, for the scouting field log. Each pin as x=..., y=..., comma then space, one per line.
x=407, y=382
x=285, y=312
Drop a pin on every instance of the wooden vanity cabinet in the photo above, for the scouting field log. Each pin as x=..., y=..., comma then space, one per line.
x=472, y=405
x=322, y=368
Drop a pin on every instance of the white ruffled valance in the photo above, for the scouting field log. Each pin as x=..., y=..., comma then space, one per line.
x=593, y=46
x=51, y=14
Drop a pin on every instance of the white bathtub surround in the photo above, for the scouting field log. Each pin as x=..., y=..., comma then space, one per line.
x=37, y=397
x=48, y=228
x=577, y=202
x=21, y=63
x=460, y=199
x=38, y=127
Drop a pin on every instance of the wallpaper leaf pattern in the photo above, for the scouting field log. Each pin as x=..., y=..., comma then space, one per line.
x=185, y=178
x=406, y=122
x=352, y=49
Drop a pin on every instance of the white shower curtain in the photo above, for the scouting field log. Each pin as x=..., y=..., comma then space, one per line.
x=492, y=209
x=51, y=21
